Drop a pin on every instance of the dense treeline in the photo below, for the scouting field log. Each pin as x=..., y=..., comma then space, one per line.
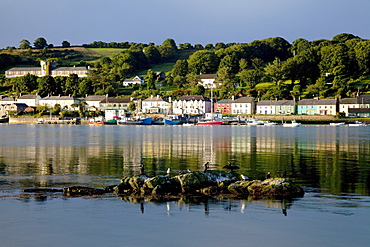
x=324, y=68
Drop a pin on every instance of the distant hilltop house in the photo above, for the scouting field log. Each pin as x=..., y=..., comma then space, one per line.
x=137, y=80
x=47, y=68
x=209, y=81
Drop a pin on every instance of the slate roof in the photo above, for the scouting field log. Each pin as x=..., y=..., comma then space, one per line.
x=194, y=97
x=116, y=100
x=28, y=96
x=362, y=99
x=155, y=98
x=208, y=76
x=95, y=98
x=317, y=102
x=244, y=100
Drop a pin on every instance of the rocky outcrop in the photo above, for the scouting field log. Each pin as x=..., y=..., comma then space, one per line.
x=82, y=191
x=209, y=183
x=275, y=187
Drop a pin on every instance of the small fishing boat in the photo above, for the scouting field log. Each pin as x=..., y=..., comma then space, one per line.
x=209, y=122
x=147, y=121
x=129, y=121
x=4, y=119
x=96, y=123
x=268, y=123
x=337, y=124
x=292, y=124
x=357, y=123
x=188, y=124
x=168, y=121
x=253, y=121
x=40, y=121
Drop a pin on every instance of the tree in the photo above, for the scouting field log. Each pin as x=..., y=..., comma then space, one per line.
x=25, y=44
x=203, y=61
x=152, y=54
x=250, y=78
x=132, y=107
x=45, y=85
x=198, y=47
x=40, y=43
x=66, y=44
x=150, y=80
x=170, y=42
x=275, y=71
x=198, y=90
x=230, y=64
x=180, y=68
x=71, y=84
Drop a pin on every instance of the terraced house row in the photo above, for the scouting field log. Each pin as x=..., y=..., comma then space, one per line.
x=196, y=104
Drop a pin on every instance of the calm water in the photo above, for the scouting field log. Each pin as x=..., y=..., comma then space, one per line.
x=331, y=163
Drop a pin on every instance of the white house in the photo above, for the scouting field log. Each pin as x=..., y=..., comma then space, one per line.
x=156, y=104
x=349, y=106
x=137, y=80
x=209, y=81
x=65, y=102
x=29, y=99
x=194, y=104
x=4, y=100
x=243, y=105
x=93, y=101
x=266, y=107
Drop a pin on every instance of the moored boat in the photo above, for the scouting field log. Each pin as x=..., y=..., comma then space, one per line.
x=357, y=123
x=209, y=122
x=168, y=121
x=337, y=124
x=188, y=124
x=130, y=122
x=292, y=124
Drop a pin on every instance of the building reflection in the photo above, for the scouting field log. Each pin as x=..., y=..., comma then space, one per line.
x=316, y=154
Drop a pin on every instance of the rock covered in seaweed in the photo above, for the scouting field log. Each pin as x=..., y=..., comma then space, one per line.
x=82, y=191
x=162, y=185
x=276, y=187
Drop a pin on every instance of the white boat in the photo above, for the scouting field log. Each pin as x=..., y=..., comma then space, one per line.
x=253, y=121
x=268, y=123
x=188, y=124
x=292, y=124
x=40, y=121
x=357, y=123
x=337, y=124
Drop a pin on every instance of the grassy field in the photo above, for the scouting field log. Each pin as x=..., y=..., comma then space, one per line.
x=105, y=52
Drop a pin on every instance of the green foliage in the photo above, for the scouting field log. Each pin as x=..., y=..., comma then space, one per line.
x=40, y=43
x=25, y=44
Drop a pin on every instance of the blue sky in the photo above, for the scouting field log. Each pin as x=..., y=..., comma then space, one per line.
x=193, y=21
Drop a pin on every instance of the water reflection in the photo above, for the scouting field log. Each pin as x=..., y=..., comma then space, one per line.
x=211, y=205
x=332, y=158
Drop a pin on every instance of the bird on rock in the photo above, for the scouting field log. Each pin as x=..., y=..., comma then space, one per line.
x=142, y=170
x=168, y=171
x=268, y=175
x=283, y=174
x=231, y=167
x=244, y=177
x=206, y=166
